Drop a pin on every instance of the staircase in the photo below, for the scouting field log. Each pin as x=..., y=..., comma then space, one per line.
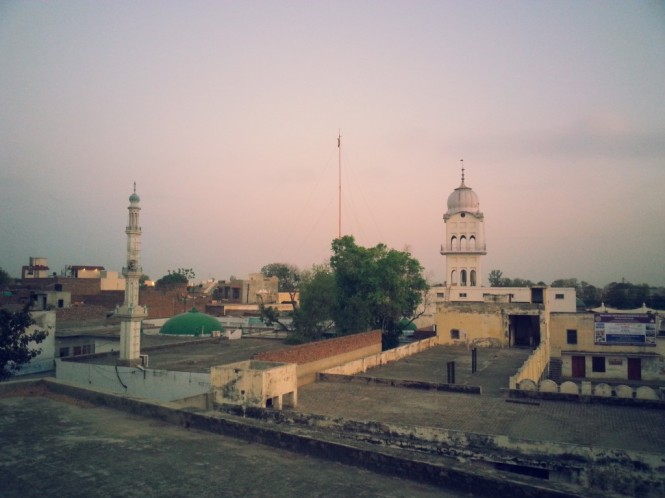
x=555, y=370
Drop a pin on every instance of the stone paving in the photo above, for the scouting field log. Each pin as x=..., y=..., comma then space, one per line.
x=633, y=428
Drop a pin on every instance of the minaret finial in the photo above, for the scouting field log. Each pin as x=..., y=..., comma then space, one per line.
x=134, y=187
x=462, y=161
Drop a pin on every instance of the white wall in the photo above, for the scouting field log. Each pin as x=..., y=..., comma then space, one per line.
x=160, y=385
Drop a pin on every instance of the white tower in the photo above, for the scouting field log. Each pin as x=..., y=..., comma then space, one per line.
x=130, y=312
x=465, y=238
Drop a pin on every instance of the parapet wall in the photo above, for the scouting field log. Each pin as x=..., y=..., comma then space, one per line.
x=363, y=364
x=315, y=351
x=587, y=392
x=322, y=355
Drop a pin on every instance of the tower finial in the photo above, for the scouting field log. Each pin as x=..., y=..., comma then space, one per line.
x=462, y=161
x=134, y=187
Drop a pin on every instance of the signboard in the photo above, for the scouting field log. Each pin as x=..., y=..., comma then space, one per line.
x=626, y=330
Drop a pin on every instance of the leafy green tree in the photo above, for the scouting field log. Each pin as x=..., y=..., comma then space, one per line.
x=376, y=286
x=143, y=279
x=15, y=348
x=624, y=295
x=289, y=277
x=496, y=278
x=318, y=298
x=177, y=277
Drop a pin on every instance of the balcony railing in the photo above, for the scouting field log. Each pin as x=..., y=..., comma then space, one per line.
x=478, y=249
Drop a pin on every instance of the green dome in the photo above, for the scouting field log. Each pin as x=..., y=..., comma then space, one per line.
x=134, y=198
x=191, y=323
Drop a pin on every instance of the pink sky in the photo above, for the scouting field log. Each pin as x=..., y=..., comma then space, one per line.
x=226, y=115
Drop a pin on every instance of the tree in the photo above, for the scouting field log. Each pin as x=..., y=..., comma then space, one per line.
x=496, y=278
x=289, y=277
x=624, y=295
x=15, y=343
x=143, y=279
x=177, y=277
x=318, y=298
x=375, y=287
x=5, y=279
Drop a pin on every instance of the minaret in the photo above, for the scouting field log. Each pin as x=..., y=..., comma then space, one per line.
x=130, y=312
x=465, y=238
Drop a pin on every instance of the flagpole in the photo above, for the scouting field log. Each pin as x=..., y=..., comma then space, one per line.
x=339, y=160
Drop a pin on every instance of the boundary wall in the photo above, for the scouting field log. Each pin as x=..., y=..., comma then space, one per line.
x=643, y=396
x=160, y=385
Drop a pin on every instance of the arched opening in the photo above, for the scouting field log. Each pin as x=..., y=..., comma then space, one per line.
x=462, y=241
x=472, y=278
x=453, y=243
x=472, y=243
x=453, y=277
x=463, y=278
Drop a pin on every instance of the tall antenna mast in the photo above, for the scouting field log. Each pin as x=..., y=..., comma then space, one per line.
x=339, y=161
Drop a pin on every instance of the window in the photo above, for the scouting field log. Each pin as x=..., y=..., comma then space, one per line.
x=440, y=295
x=454, y=334
x=472, y=275
x=462, y=294
x=598, y=364
x=463, y=278
x=64, y=352
x=571, y=336
x=558, y=296
x=85, y=349
x=236, y=293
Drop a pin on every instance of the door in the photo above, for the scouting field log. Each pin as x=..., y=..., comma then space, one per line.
x=634, y=369
x=579, y=366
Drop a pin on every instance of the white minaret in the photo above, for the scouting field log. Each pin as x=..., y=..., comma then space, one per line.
x=465, y=238
x=130, y=312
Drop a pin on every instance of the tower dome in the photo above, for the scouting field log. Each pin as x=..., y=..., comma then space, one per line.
x=134, y=198
x=463, y=199
x=191, y=323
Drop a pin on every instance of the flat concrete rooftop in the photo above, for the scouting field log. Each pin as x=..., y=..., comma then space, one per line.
x=83, y=450
x=197, y=355
x=624, y=427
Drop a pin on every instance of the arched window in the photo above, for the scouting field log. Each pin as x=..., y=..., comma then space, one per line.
x=472, y=243
x=463, y=278
x=453, y=277
x=472, y=278
x=453, y=243
x=462, y=241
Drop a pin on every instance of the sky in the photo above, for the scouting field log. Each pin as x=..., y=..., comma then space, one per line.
x=226, y=115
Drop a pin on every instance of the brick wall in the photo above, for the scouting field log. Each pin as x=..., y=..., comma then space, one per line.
x=315, y=351
x=165, y=303
x=78, y=287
